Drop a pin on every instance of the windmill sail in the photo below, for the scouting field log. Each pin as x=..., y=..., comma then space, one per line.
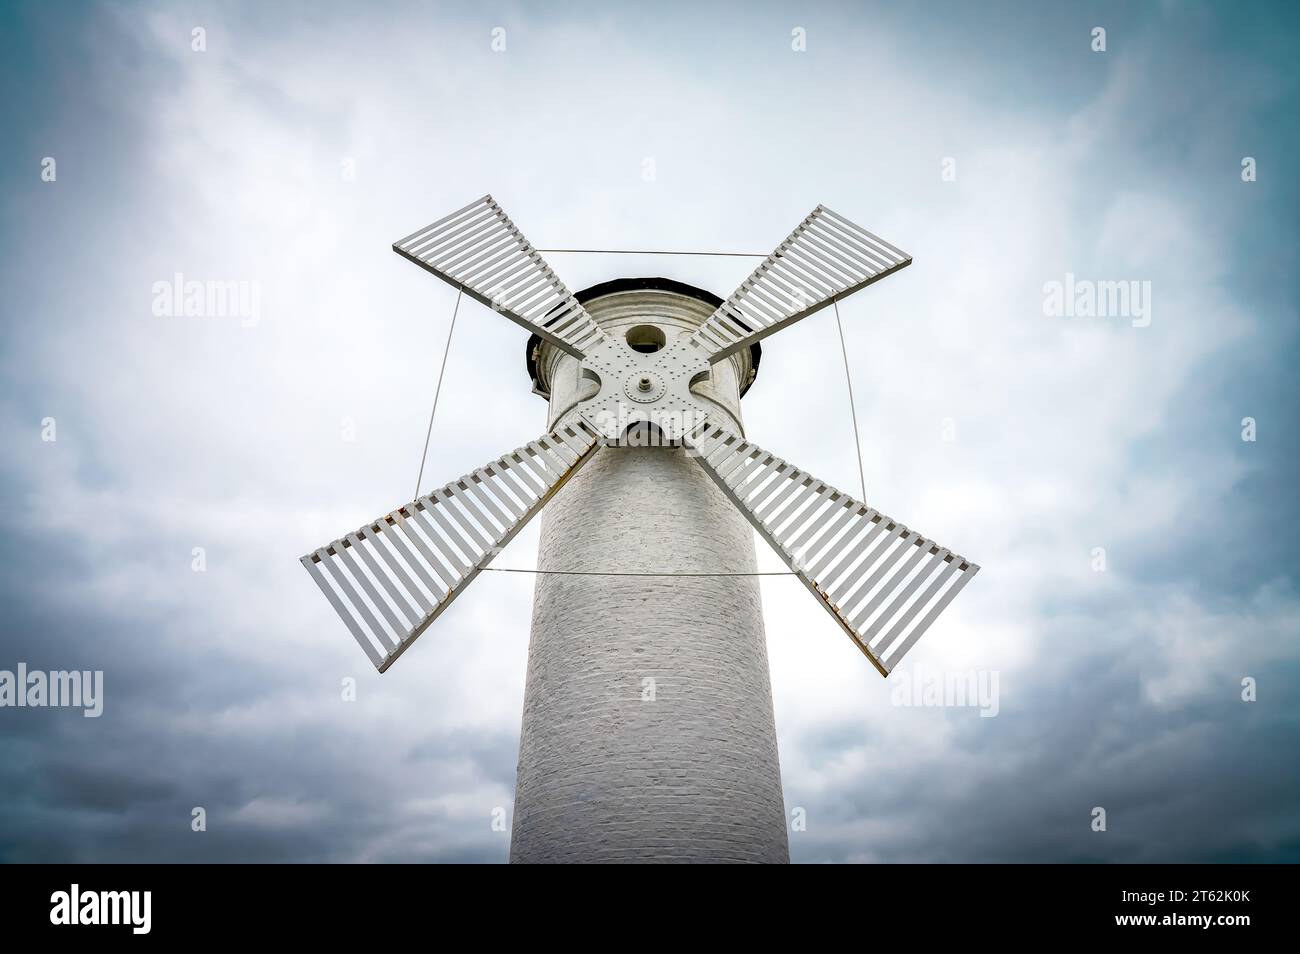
x=825, y=258
x=479, y=249
x=391, y=578
x=883, y=583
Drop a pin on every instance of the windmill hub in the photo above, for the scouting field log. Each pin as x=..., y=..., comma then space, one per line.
x=644, y=387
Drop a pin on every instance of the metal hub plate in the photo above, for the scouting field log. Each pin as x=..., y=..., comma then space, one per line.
x=624, y=399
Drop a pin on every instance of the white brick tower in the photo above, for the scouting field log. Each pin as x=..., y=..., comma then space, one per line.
x=648, y=732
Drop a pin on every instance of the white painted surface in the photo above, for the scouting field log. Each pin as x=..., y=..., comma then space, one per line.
x=606, y=773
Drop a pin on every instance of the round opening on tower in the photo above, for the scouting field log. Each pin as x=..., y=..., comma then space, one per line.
x=646, y=339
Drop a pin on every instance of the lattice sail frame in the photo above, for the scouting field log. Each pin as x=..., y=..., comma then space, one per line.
x=478, y=249
x=883, y=583
x=824, y=259
x=394, y=576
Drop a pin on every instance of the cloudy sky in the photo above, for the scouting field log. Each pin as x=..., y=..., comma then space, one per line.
x=305, y=138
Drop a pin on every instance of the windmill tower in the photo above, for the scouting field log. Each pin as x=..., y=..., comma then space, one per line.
x=648, y=731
